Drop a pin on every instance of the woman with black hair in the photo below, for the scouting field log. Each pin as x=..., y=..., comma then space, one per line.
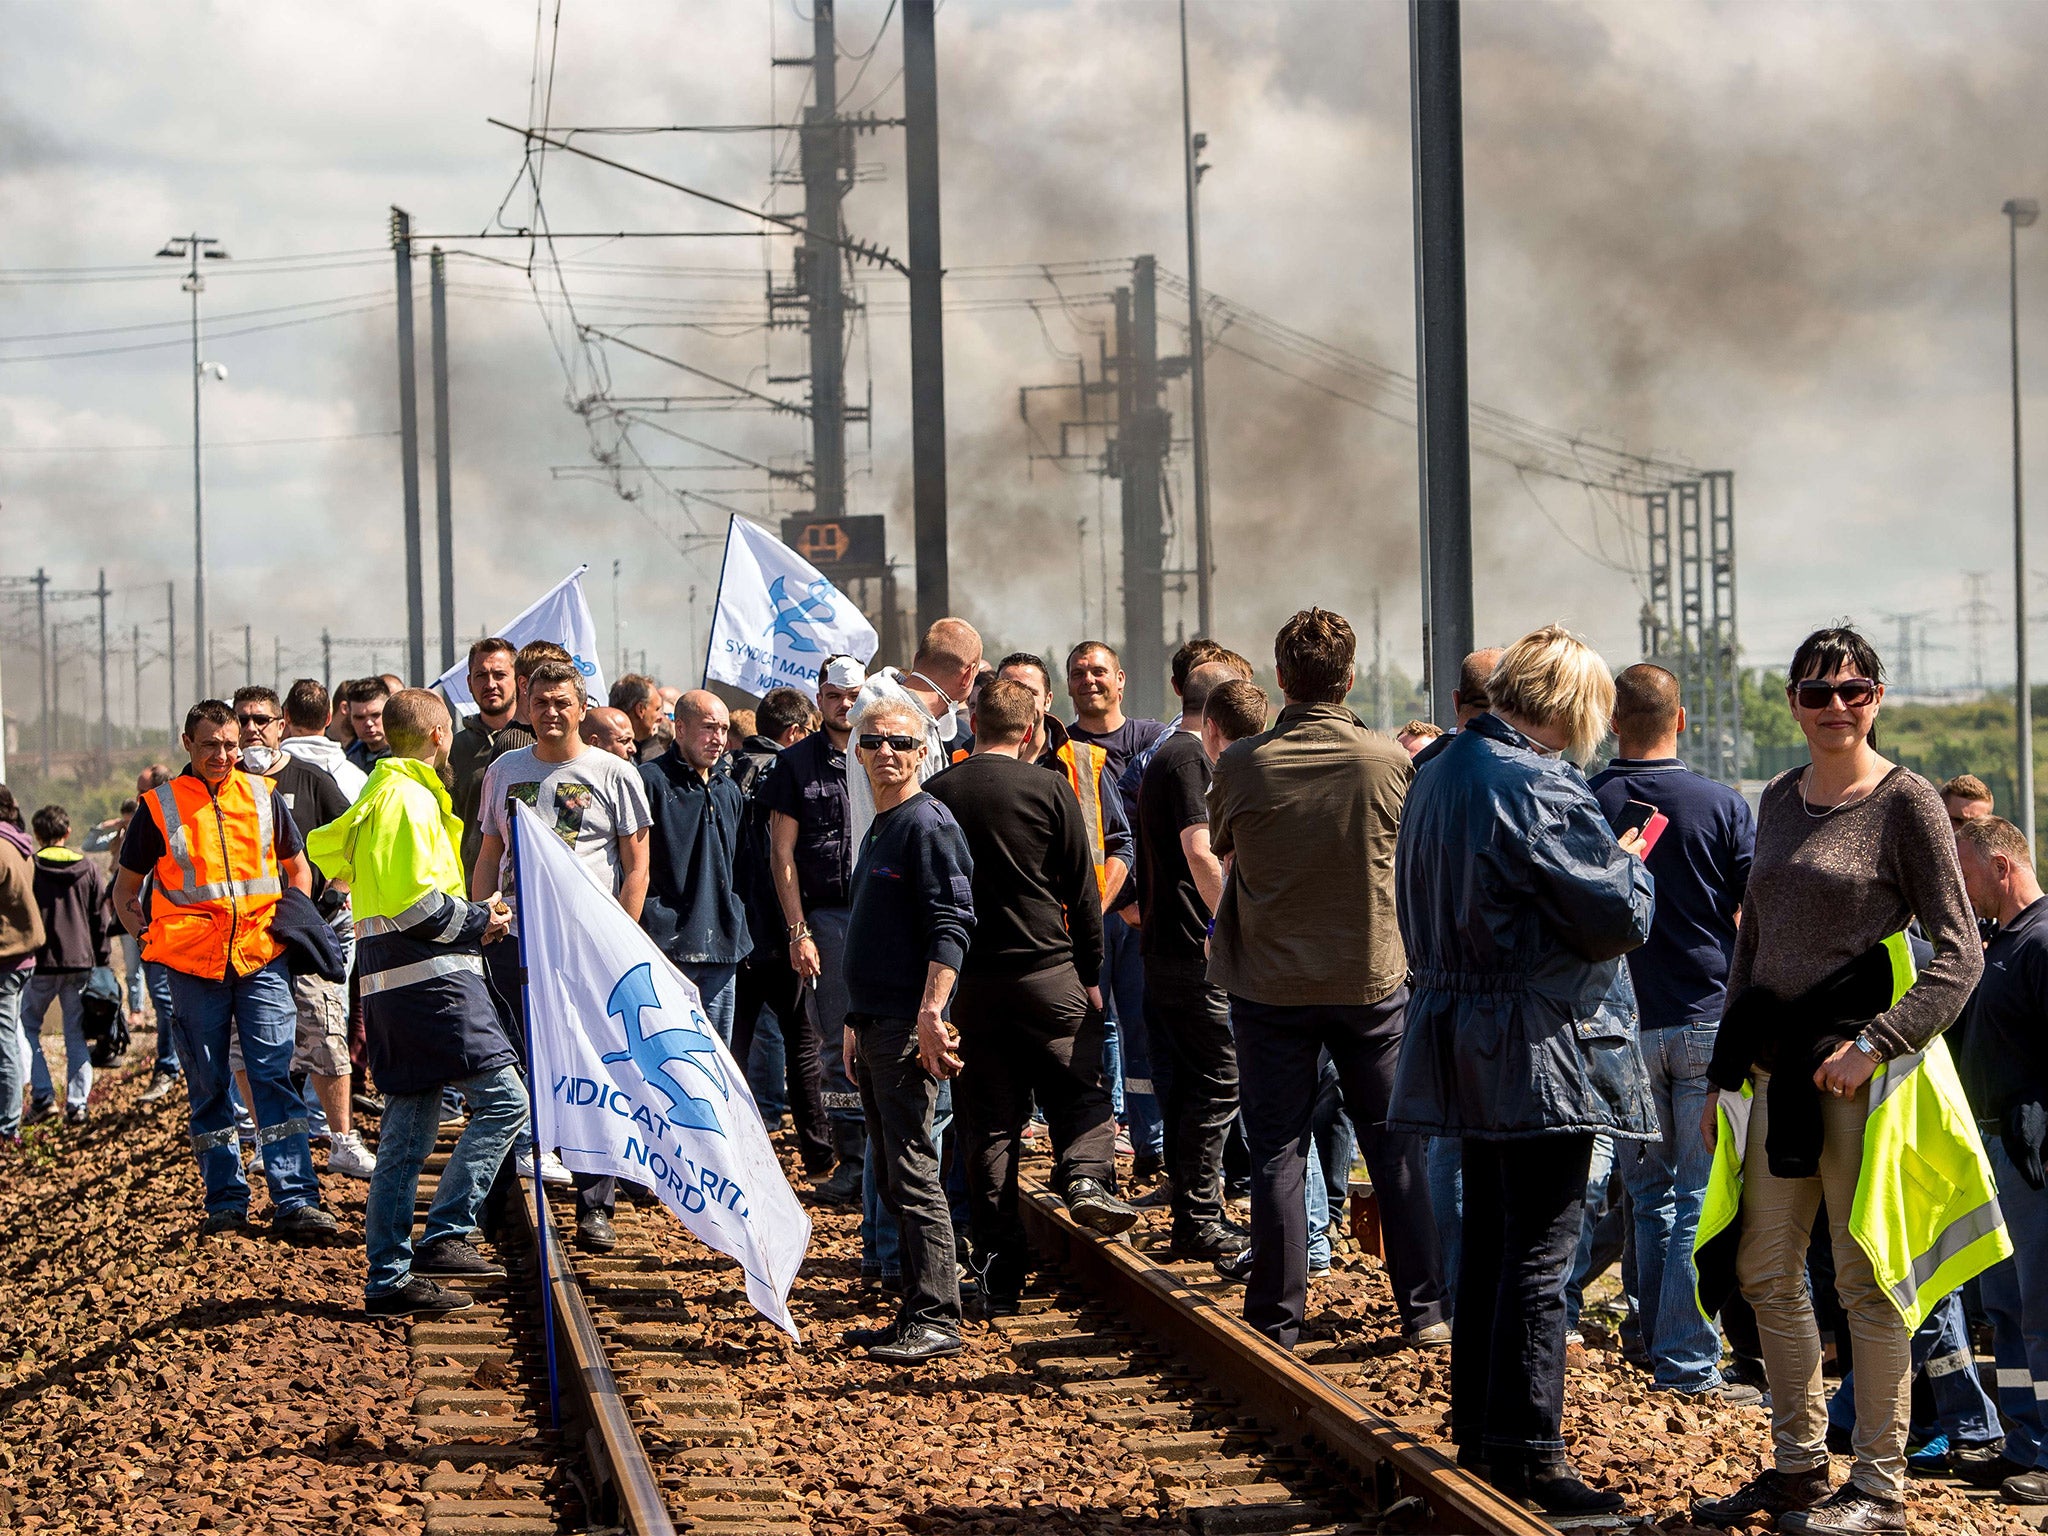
x=1850, y=849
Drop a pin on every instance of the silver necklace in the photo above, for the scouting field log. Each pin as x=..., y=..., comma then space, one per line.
x=1807, y=805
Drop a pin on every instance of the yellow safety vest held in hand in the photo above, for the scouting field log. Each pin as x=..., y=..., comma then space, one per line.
x=1926, y=1212
x=397, y=844
x=218, y=882
x=1082, y=762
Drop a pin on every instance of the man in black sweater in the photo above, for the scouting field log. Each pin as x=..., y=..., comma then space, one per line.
x=1027, y=1024
x=906, y=938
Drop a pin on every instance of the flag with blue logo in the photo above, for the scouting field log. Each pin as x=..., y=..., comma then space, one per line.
x=778, y=618
x=561, y=615
x=630, y=1079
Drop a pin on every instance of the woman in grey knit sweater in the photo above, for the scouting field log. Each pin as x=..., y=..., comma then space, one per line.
x=1849, y=850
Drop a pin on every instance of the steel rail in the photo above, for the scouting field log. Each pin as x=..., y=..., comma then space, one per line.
x=1286, y=1396
x=618, y=1456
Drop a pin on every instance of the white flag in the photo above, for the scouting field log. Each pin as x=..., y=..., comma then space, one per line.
x=562, y=616
x=778, y=618
x=631, y=1079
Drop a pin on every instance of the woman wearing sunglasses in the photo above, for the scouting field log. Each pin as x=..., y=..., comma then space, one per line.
x=1850, y=849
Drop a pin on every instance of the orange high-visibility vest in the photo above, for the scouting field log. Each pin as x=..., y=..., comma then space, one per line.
x=218, y=883
x=1082, y=763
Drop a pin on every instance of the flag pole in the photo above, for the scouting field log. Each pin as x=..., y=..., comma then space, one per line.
x=543, y=1230
x=717, y=597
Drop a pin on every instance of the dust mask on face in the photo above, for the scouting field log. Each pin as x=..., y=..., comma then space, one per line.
x=261, y=759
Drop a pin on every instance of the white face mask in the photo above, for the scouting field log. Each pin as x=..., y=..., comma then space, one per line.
x=261, y=759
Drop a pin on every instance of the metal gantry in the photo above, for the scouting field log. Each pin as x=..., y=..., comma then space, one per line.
x=1688, y=618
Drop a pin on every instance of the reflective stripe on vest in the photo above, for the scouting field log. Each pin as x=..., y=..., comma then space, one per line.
x=374, y=982
x=216, y=888
x=1082, y=764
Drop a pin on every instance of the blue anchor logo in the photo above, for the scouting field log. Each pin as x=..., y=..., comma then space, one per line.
x=813, y=606
x=652, y=1053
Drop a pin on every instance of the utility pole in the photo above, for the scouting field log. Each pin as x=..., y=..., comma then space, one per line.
x=409, y=453
x=927, y=320
x=1191, y=150
x=248, y=655
x=1379, y=670
x=42, y=581
x=444, y=473
x=824, y=159
x=2020, y=212
x=106, y=720
x=138, y=681
x=171, y=656
x=277, y=664
x=618, y=626
x=1142, y=437
x=193, y=248
x=1443, y=415
x=327, y=661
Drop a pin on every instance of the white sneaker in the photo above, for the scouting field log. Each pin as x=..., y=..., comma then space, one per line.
x=350, y=1157
x=552, y=1169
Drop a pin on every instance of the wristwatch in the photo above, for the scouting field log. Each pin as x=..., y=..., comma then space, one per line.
x=1868, y=1046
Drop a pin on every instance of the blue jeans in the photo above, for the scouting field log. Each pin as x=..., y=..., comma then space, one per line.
x=158, y=978
x=1135, y=1091
x=1667, y=1182
x=13, y=1050
x=1446, y=1157
x=405, y=1136
x=260, y=1009
x=881, y=1239
x=717, y=991
x=67, y=990
x=131, y=973
x=766, y=1068
x=1941, y=1350
x=2015, y=1295
x=826, y=998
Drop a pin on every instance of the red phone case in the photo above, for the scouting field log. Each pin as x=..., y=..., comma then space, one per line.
x=1652, y=830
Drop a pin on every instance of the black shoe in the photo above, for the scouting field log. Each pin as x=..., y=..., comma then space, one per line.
x=1158, y=1198
x=1848, y=1511
x=236, y=1220
x=2028, y=1487
x=74, y=1114
x=594, y=1232
x=40, y=1110
x=367, y=1104
x=452, y=1258
x=1147, y=1165
x=917, y=1344
x=1980, y=1470
x=418, y=1294
x=1770, y=1492
x=1211, y=1240
x=842, y=1187
x=305, y=1223
x=868, y=1338
x=1552, y=1487
x=1098, y=1210
x=993, y=1307
x=1472, y=1458
x=1236, y=1266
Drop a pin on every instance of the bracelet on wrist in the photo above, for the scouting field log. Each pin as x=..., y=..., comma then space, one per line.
x=799, y=931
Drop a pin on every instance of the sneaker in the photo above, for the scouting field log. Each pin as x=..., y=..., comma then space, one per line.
x=1429, y=1336
x=1318, y=1271
x=1574, y=1338
x=552, y=1170
x=74, y=1114
x=1123, y=1144
x=1986, y=1466
x=594, y=1232
x=1098, y=1210
x=350, y=1158
x=40, y=1110
x=417, y=1295
x=915, y=1345
x=159, y=1085
x=236, y=1220
x=450, y=1258
x=1770, y=1492
x=1211, y=1240
x=2028, y=1487
x=1724, y=1394
x=453, y=1114
x=1158, y=1198
x=1235, y=1267
x=305, y=1223
x=1849, y=1511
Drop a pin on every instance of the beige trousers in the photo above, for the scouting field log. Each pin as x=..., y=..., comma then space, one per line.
x=1777, y=1221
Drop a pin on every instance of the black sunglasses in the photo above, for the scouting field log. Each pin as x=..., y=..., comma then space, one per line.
x=260, y=722
x=897, y=743
x=1814, y=692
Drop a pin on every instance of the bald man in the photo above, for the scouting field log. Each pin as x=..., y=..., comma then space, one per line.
x=694, y=910
x=609, y=730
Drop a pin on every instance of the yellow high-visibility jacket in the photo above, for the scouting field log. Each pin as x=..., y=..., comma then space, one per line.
x=395, y=845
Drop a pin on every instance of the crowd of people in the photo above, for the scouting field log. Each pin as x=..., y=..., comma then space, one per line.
x=1561, y=1021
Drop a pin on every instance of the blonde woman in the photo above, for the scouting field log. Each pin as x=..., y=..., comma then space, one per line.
x=1517, y=904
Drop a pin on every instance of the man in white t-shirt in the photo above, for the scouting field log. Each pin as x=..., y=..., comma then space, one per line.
x=596, y=804
x=936, y=686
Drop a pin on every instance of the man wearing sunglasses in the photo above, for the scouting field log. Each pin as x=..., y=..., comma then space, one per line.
x=907, y=937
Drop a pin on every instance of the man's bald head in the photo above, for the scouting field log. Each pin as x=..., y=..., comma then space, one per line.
x=1203, y=681
x=702, y=722
x=1469, y=697
x=950, y=655
x=609, y=730
x=1647, y=713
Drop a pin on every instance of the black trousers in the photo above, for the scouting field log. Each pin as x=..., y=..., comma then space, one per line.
x=770, y=979
x=1279, y=1051
x=1524, y=1206
x=898, y=1096
x=1026, y=1037
x=1189, y=1023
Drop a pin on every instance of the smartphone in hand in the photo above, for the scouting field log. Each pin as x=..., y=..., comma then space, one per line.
x=1640, y=817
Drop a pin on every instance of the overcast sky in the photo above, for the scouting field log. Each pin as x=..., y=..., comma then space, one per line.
x=1760, y=237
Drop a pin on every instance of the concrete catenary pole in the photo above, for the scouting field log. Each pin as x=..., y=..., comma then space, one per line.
x=409, y=453
x=927, y=321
